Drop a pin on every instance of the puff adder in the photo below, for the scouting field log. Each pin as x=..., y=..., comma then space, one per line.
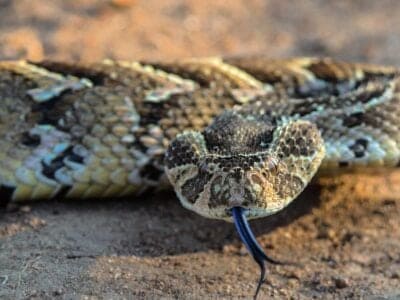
x=236, y=132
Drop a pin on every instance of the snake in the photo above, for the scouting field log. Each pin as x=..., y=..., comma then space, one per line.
x=237, y=138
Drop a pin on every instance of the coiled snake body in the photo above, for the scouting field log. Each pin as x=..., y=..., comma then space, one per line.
x=238, y=132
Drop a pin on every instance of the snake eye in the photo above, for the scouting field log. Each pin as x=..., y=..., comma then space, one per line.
x=299, y=139
x=185, y=167
x=186, y=148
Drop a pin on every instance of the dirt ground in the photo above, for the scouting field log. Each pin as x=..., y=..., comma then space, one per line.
x=343, y=233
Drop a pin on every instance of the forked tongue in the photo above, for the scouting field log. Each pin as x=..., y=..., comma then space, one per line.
x=248, y=238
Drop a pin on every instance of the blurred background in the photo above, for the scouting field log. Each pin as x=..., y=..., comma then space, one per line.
x=89, y=30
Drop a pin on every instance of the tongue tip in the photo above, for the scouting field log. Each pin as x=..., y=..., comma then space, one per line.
x=260, y=282
x=249, y=240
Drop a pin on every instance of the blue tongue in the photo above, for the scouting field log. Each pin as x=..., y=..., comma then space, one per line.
x=247, y=237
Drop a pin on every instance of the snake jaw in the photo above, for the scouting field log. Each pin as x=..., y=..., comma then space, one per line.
x=249, y=240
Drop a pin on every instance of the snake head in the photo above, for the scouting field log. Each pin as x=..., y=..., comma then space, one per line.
x=254, y=162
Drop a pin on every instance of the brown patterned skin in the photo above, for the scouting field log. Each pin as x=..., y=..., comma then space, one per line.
x=248, y=132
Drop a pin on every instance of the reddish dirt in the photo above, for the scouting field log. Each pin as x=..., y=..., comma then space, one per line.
x=343, y=233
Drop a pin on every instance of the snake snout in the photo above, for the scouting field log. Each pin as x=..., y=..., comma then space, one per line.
x=211, y=184
x=251, y=165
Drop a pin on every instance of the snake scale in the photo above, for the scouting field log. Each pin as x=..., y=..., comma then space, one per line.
x=244, y=134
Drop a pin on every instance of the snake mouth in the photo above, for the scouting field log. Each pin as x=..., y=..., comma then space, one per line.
x=249, y=240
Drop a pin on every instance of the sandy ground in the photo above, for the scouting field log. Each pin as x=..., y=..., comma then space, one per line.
x=342, y=233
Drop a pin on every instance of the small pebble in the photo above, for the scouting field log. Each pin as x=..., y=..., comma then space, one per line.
x=36, y=222
x=58, y=292
x=341, y=283
x=25, y=209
